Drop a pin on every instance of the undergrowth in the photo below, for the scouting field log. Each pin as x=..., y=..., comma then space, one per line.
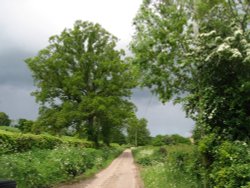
x=168, y=166
x=44, y=168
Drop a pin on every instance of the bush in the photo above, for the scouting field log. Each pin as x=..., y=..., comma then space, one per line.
x=43, y=168
x=150, y=155
x=183, y=158
x=158, y=140
x=10, y=129
x=231, y=167
x=11, y=142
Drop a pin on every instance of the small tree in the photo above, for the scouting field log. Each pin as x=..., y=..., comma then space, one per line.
x=138, y=134
x=158, y=140
x=25, y=125
x=4, y=119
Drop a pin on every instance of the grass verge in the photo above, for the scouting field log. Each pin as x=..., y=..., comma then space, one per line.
x=168, y=166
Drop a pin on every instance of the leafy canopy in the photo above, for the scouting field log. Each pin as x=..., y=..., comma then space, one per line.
x=80, y=78
x=197, y=52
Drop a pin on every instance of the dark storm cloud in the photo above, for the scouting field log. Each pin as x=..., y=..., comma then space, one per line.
x=162, y=119
x=13, y=70
x=16, y=83
x=17, y=102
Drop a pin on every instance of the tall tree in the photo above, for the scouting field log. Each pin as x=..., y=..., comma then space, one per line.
x=198, y=53
x=79, y=76
x=4, y=119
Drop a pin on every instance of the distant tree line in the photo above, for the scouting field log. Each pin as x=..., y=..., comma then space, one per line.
x=135, y=133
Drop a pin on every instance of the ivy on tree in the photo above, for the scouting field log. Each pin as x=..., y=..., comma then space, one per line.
x=80, y=77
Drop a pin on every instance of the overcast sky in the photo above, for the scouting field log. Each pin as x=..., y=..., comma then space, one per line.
x=25, y=27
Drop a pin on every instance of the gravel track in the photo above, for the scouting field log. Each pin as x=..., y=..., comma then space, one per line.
x=121, y=173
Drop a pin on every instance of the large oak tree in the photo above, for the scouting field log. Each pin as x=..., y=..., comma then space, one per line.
x=80, y=77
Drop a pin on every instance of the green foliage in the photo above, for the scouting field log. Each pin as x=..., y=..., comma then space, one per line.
x=223, y=163
x=148, y=155
x=158, y=46
x=197, y=53
x=43, y=168
x=84, y=81
x=9, y=128
x=138, y=134
x=25, y=125
x=231, y=169
x=169, y=166
x=11, y=142
x=160, y=140
x=177, y=139
x=4, y=119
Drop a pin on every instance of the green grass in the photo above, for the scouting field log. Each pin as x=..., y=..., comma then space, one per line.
x=161, y=175
x=167, y=167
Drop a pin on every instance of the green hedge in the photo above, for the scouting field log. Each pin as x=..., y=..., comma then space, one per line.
x=44, y=168
x=232, y=165
x=9, y=128
x=11, y=142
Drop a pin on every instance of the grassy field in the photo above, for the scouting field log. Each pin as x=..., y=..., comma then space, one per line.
x=167, y=167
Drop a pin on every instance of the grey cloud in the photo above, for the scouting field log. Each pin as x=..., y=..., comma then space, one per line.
x=162, y=119
x=13, y=70
x=16, y=84
x=17, y=102
x=144, y=96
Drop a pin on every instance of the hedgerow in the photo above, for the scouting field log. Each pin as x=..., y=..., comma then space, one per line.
x=14, y=142
x=44, y=168
x=9, y=128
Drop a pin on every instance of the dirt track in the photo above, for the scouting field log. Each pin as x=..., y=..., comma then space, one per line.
x=121, y=173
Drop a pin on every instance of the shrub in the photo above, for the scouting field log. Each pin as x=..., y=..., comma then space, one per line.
x=150, y=155
x=231, y=167
x=183, y=158
x=158, y=140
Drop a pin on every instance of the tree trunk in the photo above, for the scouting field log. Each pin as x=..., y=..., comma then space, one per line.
x=92, y=130
x=106, y=133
